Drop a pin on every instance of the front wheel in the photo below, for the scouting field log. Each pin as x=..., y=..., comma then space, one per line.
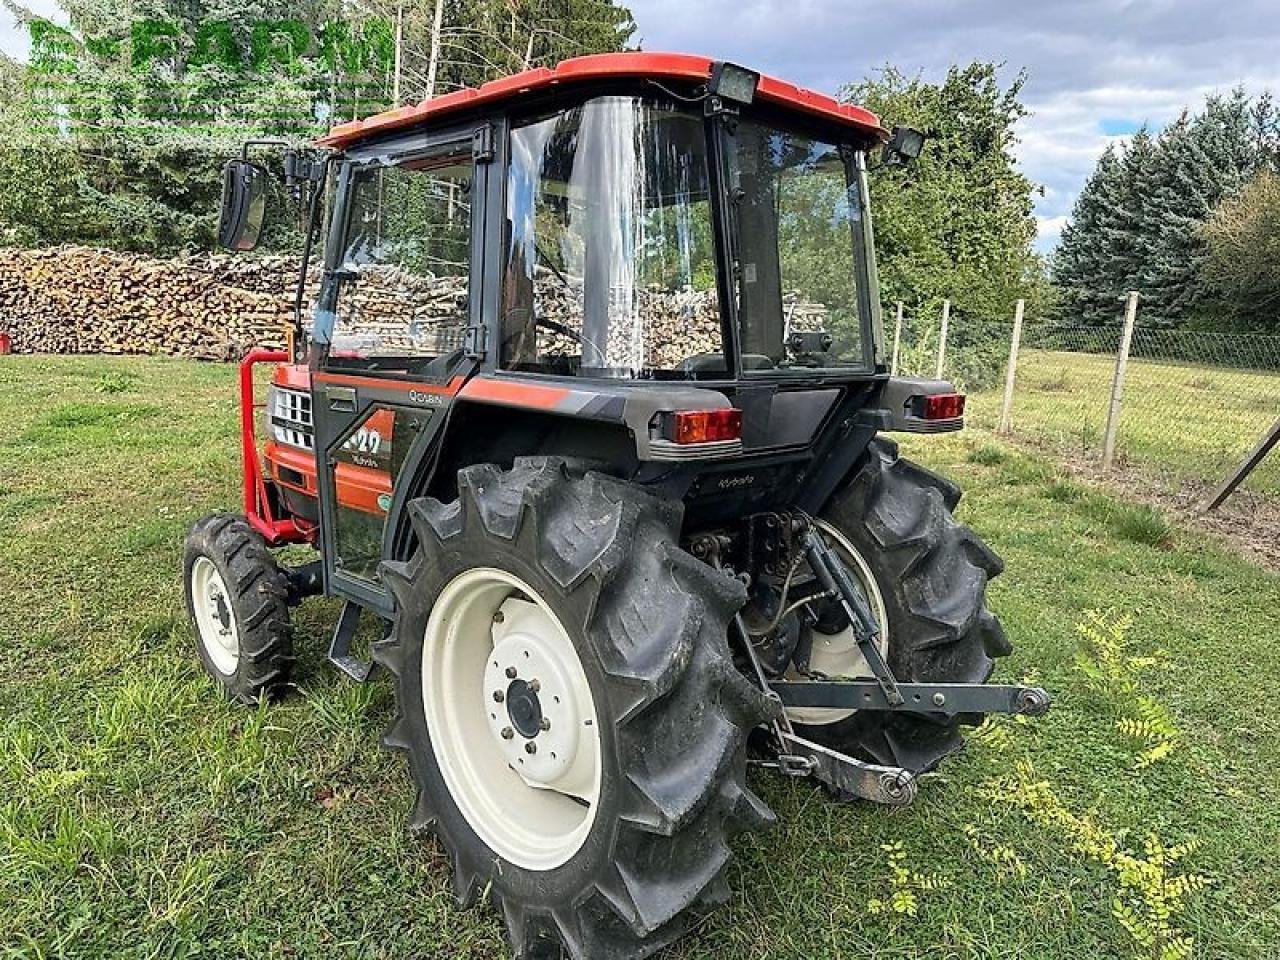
x=237, y=598
x=569, y=706
x=924, y=576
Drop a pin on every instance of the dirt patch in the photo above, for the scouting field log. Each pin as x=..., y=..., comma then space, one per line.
x=1247, y=523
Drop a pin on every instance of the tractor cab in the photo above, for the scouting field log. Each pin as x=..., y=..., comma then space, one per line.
x=651, y=259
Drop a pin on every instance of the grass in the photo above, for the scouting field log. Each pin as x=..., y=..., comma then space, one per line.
x=143, y=817
x=1198, y=421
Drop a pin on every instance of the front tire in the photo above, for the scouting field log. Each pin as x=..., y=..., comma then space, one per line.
x=237, y=598
x=930, y=575
x=584, y=575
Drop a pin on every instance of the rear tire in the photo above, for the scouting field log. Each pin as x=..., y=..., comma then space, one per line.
x=932, y=573
x=647, y=626
x=237, y=598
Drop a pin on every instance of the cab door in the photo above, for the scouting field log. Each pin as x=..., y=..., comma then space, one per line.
x=392, y=320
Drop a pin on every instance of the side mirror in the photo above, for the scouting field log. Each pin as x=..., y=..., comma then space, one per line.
x=904, y=146
x=244, y=205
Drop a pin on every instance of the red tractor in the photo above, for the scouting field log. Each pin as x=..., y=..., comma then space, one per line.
x=586, y=408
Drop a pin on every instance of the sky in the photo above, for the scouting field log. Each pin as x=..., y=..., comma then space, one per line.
x=1097, y=69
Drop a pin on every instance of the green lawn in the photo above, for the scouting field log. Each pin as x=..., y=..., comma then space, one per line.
x=1197, y=421
x=143, y=817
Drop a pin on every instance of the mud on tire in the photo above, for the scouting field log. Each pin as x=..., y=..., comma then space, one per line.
x=255, y=607
x=932, y=572
x=649, y=624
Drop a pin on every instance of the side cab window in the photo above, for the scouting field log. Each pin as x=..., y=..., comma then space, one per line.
x=400, y=274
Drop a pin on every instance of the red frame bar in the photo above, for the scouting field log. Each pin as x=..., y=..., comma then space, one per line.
x=257, y=508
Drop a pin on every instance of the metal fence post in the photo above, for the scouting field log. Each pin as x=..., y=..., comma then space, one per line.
x=1117, y=383
x=1006, y=411
x=942, y=338
x=897, y=341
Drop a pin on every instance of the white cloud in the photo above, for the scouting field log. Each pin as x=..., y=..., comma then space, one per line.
x=1089, y=62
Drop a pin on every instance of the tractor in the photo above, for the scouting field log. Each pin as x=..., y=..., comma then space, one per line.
x=584, y=414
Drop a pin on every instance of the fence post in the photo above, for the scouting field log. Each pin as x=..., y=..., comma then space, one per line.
x=1006, y=411
x=1117, y=383
x=942, y=338
x=897, y=340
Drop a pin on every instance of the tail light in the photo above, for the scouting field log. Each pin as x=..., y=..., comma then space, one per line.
x=703, y=426
x=940, y=406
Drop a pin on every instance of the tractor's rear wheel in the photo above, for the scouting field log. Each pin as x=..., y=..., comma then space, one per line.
x=569, y=706
x=925, y=576
x=237, y=598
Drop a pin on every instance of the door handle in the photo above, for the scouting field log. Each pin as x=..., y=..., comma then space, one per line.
x=341, y=399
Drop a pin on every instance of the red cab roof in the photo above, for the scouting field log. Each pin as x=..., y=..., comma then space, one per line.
x=658, y=66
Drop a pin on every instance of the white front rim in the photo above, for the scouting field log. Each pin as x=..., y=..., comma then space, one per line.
x=838, y=655
x=512, y=720
x=215, y=620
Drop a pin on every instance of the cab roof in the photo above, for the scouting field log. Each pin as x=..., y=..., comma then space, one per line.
x=605, y=66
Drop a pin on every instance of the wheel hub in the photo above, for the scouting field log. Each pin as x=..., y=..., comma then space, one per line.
x=524, y=708
x=220, y=611
x=529, y=676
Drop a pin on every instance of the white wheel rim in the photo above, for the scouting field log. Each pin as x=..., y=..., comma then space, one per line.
x=837, y=655
x=215, y=620
x=489, y=634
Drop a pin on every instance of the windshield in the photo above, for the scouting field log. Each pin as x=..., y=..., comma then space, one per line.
x=799, y=242
x=610, y=258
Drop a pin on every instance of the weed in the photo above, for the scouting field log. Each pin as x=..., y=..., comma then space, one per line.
x=905, y=885
x=1060, y=383
x=1112, y=669
x=115, y=381
x=1151, y=894
x=1063, y=490
x=988, y=455
x=1141, y=523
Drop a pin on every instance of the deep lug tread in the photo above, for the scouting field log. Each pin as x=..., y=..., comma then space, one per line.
x=659, y=625
x=933, y=572
x=259, y=597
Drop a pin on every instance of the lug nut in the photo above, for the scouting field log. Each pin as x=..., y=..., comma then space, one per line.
x=546, y=724
x=499, y=617
x=530, y=747
x=507, y=733
x=534, y=685
x=939, y=699
x=511, y=673
x=498, y=696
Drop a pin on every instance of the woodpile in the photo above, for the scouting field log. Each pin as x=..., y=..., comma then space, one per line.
x=217, y=307
x=85, y=300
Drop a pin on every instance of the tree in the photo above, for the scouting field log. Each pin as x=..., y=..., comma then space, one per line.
x=126, y=120
x=1242, y=260
x=957, y=224
x=1138, y=222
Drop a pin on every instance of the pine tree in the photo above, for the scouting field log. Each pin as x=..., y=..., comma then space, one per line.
x=1082, y=266
x=1200, y=162
x=1139, y=222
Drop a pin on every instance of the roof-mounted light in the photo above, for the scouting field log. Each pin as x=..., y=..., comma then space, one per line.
x=732, y=82
x=905, y=144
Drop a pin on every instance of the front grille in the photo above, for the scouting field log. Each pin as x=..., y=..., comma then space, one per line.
x=291, y=418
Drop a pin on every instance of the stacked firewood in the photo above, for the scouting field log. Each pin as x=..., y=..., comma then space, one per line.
x=85, y=300
x=217, y=307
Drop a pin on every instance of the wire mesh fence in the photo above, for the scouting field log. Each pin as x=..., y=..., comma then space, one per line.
x=1193, y=403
